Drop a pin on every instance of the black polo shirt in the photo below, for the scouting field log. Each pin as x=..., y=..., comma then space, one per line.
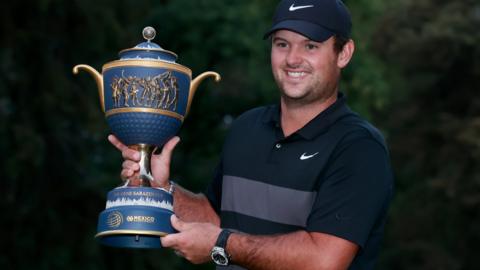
x=331, y=176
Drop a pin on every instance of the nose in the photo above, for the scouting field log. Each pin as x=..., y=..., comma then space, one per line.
x=294, y=57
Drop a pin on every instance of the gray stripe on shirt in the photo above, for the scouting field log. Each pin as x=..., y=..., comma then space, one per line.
x=265, y=201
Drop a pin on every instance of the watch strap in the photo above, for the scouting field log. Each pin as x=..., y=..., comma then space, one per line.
x=222, y=238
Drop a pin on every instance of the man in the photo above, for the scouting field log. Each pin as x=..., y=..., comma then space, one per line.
x=301, y=185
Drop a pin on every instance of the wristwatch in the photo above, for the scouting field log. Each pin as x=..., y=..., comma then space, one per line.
x=219, y=254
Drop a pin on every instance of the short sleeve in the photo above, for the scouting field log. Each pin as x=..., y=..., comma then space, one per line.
x=354, y=192
x=214, y=189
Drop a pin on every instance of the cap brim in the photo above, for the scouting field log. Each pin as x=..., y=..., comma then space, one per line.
x=313, y=31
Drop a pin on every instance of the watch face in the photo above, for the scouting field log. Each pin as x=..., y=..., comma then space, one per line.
x=219, y=257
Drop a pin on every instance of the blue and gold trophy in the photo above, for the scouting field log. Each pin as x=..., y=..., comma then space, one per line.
x=145, y=96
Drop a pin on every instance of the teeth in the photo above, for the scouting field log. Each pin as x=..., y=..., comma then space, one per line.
x=296, y=74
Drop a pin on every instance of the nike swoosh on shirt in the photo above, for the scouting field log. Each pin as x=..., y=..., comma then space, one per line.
x=304, y=156
x=293, y=7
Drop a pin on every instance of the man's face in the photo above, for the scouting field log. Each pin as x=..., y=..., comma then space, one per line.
x=305, y=71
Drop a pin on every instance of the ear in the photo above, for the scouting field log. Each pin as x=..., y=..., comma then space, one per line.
x=346, y=54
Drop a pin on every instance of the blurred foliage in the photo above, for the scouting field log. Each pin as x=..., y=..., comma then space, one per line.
x=434, y=128
x=415, y=74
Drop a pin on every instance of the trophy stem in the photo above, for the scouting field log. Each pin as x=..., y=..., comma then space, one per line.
x=145, y=176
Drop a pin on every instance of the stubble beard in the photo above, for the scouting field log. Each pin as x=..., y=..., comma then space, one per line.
x=316, y=92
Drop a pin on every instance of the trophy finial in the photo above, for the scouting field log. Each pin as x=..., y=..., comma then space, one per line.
x=149, y=33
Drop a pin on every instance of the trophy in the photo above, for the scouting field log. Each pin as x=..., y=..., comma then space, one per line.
x=145, y=96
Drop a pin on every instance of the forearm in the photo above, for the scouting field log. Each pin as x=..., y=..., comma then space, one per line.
x=297, y=250
x=192, y=207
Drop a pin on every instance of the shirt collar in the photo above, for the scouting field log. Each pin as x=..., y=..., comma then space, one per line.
x=318, y=124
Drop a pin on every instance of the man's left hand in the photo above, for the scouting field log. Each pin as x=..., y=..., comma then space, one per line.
x=194, y=241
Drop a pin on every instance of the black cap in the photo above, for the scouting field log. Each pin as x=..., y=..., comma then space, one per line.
x=316, y=19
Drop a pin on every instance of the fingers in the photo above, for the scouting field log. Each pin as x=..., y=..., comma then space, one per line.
x=179, y=253
x=126, y=174
x=170, y=145
x=129, y=169
x=131, y=154
x=127, y=153
x=193, y=241
x=130, y=165
x=134, y=182
x=160, y=163
x=166, y=154
x=171, y=240
x=116, y=142
x=168, y=241
x=177, y=223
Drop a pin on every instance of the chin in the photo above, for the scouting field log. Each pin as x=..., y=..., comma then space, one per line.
x=293, y=96
x=294, y=92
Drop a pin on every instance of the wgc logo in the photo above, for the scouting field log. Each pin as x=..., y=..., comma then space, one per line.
x=114, y=219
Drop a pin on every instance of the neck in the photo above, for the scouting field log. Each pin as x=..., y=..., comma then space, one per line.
x=294, y=116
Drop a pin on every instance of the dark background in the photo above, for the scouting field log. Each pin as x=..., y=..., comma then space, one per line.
x=415, y=75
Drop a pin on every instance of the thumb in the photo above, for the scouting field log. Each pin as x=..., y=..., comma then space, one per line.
x=167, y=149
x=177, y=223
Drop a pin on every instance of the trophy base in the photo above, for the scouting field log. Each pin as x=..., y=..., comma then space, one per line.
x=130, y=241
x=135, y=217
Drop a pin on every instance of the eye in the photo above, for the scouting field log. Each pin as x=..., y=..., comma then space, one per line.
x=280, y=44
x=311, y=46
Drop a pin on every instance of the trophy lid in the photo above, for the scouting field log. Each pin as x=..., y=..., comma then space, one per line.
x=148, y=50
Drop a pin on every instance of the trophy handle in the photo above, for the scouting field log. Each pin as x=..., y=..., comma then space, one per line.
x=98, y=79
x=196, y=82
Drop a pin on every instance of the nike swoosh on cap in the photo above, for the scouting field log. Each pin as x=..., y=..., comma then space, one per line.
x=293, y=7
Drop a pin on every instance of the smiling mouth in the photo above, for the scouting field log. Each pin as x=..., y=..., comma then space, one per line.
x=296, y=74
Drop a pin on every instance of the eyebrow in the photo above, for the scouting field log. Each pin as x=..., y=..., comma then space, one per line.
x=278, y=39
x=306, y=40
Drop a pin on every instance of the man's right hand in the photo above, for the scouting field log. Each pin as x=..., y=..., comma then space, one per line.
x=160, y=164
